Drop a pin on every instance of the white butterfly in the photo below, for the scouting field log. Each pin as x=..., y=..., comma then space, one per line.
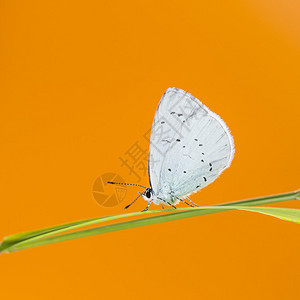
x=190, y=146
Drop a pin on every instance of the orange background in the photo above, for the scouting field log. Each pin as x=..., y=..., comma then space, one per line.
x=79, y=84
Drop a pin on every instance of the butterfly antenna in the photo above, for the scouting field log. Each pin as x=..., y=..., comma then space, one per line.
x=133, y=201
x=123, y=183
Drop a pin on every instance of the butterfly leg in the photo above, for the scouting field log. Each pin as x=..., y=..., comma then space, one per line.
x=184, y=202
x=191, y=201
x=147, y=206
x=162, y=206
x=132, y=202
x=167, y=202
x=171, y=205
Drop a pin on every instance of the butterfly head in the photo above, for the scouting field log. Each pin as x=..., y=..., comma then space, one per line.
x=147, y=194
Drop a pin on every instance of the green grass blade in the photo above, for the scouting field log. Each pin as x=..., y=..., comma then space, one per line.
x=288, y=214
x=12, y=241
x=42, y=233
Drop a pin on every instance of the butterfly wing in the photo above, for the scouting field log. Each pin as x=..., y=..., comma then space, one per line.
x=189, y=146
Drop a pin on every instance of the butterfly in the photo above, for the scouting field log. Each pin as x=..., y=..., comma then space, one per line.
x=190, y=146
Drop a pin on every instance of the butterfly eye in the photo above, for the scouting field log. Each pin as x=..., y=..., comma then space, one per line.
x=148, y=194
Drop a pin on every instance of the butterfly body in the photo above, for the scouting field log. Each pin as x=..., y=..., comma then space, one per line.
x=167, y=199
x=190, y=146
